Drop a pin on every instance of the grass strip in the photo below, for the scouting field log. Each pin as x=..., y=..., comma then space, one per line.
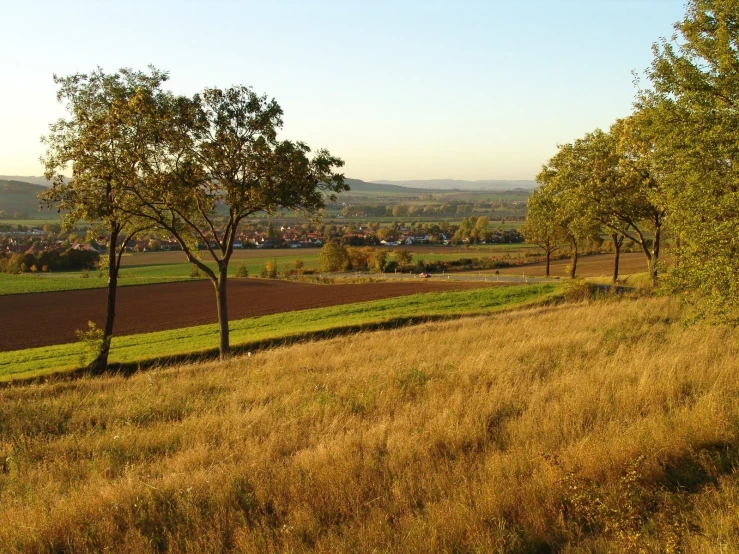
x=202, y=340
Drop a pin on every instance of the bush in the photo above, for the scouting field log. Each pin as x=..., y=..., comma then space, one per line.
x=269, y=270
x=194, y=273
x=241, y=271
x=91, y=341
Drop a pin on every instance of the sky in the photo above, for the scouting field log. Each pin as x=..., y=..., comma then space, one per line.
x=400, y=90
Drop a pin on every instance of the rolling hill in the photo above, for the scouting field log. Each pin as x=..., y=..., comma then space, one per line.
x=18, y=199
x=25, y=179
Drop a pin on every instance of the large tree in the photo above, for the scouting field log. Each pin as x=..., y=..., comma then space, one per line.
x=693, y=111
x=218, y=162
x=105, y=140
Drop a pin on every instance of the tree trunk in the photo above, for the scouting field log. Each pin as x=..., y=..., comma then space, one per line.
x=100, y=363
x=655, y=254
x=573, y=264
x=549, y=257
x=648, y=254
x=617, y=245
x=220, y=286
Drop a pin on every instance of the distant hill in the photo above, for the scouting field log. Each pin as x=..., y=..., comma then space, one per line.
x=452, y=184
x=33, y=180
x=18, y=199
x=356, y=185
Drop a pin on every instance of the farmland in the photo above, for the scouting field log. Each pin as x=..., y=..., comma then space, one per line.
x=186, y=341
x=164, y=267
x=52, y=318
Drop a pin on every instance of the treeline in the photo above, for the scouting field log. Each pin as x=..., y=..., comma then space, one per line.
x=49, y=260
x=672, y=167
x=336, y=257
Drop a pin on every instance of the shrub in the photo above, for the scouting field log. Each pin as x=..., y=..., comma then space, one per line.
x=91, y=342
x=241, y=271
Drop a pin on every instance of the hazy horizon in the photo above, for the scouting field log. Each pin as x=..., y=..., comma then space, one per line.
x=400, y=90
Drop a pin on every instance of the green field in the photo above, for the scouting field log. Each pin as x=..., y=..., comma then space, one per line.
x=166, y=267
x=204, y=338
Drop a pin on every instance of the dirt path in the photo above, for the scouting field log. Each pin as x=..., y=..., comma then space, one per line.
x=30, y=320
x=595, y=265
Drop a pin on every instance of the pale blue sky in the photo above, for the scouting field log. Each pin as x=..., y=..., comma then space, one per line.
x=399, y=90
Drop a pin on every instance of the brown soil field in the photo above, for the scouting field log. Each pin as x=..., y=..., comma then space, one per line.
x=595, y=265
x=43, y=319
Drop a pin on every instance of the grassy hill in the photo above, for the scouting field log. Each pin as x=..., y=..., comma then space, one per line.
x=603, y=427
x=17, y=197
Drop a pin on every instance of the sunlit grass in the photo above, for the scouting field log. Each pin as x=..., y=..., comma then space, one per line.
x=590, y=428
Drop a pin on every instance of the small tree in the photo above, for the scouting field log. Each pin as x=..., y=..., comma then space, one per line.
x=403, y=257
x=541, y=227
x=378, y=261
x=333, y=257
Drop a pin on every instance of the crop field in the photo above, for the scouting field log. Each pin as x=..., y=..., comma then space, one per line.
x=550, y=430
x=295, y=321
x=52, y=318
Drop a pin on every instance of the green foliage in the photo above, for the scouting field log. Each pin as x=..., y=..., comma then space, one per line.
x=92, y=342
x=690, y=114
x=241, y=271
x=403, y=257
x=333, y=257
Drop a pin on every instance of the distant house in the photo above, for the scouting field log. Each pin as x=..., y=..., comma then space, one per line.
x=85, y=247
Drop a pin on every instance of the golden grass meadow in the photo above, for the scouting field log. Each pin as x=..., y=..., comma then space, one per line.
x=603, y=426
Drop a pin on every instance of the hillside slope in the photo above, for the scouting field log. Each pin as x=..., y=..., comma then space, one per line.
x=606, y=427
x=20, y=198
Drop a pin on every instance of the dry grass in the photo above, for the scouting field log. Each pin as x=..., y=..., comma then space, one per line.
x=604, y=427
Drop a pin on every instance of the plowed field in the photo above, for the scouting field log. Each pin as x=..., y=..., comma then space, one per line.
x=30, y=320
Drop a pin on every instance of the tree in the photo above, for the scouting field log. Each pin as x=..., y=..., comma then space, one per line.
x=613, y=172
x=105, y=139
x=691, y=116
x=541, y=227
x=333, y=257
x=378, y=261
x=218, y=162
x=403, y=257
x=560, y=181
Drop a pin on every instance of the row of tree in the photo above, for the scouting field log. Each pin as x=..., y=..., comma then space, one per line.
x=49, y=260
x=603, y=182
x=672, y=165
x=144, y=159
